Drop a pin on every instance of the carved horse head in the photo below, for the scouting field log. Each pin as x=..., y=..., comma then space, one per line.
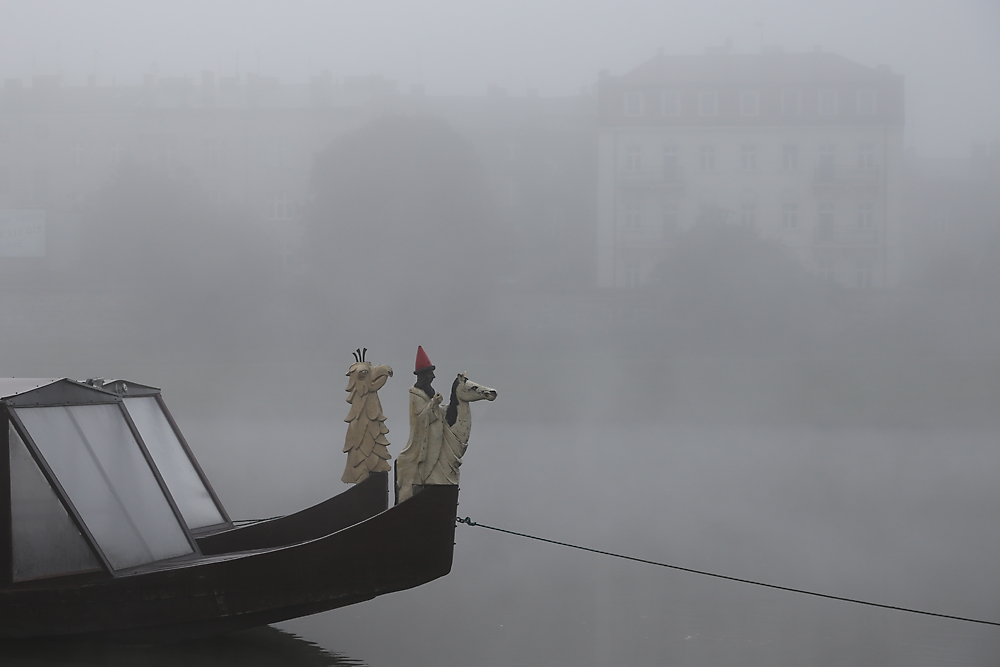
x=466, y=391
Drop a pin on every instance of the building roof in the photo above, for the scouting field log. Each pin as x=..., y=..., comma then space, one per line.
x=769, y=66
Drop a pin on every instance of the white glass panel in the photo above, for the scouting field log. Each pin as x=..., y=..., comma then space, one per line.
x=96, y=459
x=189, y=492
x=46, y=542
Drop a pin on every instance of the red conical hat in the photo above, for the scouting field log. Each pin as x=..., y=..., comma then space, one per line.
x=423, y=363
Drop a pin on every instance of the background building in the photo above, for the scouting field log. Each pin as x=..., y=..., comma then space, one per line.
x=250, y=143
x=806, y=148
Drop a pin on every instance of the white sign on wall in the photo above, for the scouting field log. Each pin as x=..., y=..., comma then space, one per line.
x=22, y=232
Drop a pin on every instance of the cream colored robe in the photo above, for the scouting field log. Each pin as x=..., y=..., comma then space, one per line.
x=427, y=428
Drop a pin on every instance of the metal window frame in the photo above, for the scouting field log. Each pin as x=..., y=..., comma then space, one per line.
x=226, y=520
x=43, y=465
x=136, y=390
x=57, y=487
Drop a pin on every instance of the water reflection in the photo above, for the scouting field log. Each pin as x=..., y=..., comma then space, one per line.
x=261, y=647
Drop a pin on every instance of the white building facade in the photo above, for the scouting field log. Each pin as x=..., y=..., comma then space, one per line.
x=805, y=148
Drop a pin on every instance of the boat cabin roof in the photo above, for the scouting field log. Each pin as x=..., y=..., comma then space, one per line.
x=12, y=386
x=100, y=479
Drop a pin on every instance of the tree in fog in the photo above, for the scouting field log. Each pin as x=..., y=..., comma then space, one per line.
x=179, y=260
x=724, y=285
x=402, y=217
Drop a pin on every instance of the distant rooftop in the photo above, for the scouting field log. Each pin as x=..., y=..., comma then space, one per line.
x=773, y=65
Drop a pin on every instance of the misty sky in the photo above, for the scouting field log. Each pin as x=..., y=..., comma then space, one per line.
x=949, y=51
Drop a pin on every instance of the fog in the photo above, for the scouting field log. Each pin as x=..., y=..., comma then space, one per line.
x=235, y=196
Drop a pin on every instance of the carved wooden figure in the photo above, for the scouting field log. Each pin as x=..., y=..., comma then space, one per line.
x=438, y=437
x=366, y=444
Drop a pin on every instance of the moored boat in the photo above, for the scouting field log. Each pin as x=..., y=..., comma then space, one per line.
x=113, y=529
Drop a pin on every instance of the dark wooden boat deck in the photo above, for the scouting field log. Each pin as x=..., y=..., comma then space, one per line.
x=403, y=547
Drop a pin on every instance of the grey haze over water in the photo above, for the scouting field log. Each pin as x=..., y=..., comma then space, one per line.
x=837, y=440
x=948, y=51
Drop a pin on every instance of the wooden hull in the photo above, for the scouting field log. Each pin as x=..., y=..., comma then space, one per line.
x=402, y=547
x=360, y=502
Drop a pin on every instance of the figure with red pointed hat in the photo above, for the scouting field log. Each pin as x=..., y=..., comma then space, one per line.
x=438, y=437
x=426, y=426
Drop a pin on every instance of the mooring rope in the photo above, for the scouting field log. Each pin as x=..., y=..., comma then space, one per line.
x=469, y=522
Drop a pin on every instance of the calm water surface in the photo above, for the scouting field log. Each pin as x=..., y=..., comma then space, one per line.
x=901, y=517
x=262, y=647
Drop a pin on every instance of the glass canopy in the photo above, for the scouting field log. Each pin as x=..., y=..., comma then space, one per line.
x=45, y=540
x=94, y=456
x=187, y=488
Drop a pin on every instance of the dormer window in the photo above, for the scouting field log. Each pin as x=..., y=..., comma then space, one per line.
x=827, y=103
x=633, y=105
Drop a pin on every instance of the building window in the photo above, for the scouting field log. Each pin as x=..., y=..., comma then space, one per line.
x=827, y=103
x=633, y=105
x=791, y=102
x=867, y=102
x=828, y=271
x=708, y=158
x=748, y=215
x=632, y=272
x=866, y=155
x=633, y=215
x=670, y=103
x=866, y=215
x=790, y=215
x=274, y=154
x=827, y=221
x=216, y=151
x=513, y=151
x=749, y=103
x=168, y=152
x=513, y=193
x=670, y=225
x=748, y=157
x=708, y=103
x=279, y=207
x=864, y=273
x=790, y=157
x=671, y=164
x=40, y=180
x=827, y=162
x=633, y=158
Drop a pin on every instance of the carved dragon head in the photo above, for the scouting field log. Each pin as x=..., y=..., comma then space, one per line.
x=364, y=378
